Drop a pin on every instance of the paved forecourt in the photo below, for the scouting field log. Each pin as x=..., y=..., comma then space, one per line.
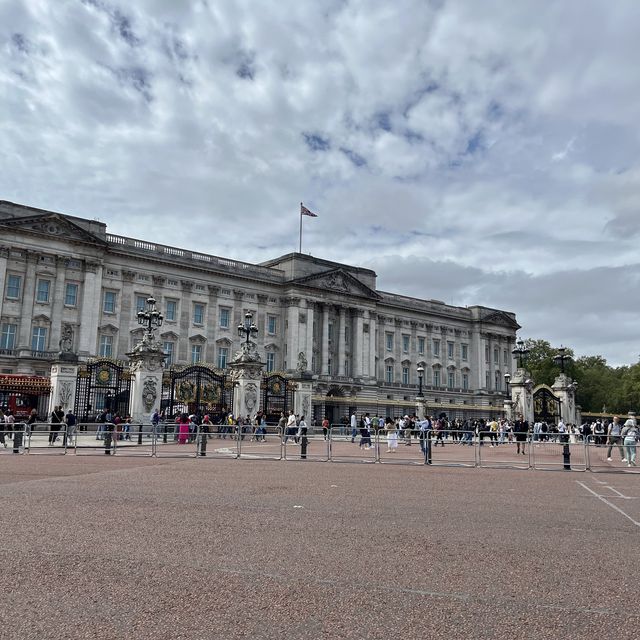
x=136, y=547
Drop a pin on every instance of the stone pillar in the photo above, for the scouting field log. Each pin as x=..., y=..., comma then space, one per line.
x=373, y=347
x=293, y=333
x=522, y=396
x=246, y=373
x=421, y=408
x=358, y=343
x=325, y=340
x=302, y=404
x=564, y=390
x=64, y=374
x=57, y=301
x=341, y=340
x=309, y=337
x=508, y=410
x=91, y=308
x=4, y=263
x=146, y=383
x=28, y=297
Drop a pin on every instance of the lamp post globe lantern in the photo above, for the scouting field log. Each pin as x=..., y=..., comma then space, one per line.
x=150, y=317
x=520, y=352
x=248, y=328
x=420, y=378
x=507, y=382
x=561, y=357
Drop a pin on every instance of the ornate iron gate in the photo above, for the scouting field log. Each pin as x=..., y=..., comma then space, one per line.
x=546, y=407
x=277, y=396
x=197, y=389
x=102, y=384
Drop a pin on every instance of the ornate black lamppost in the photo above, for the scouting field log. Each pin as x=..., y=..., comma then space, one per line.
x=247, y=329
x=150, y=317
x=507, y=381
x=561, y=357
x=420, y=377
x=520, y=352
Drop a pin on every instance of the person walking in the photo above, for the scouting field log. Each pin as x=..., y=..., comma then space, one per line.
x=183, y=429
x=630, y=436
x=615, y=439
x=325, y=428
x=70, y=423
x=57, y=418
x=521, y=429
x=354, y=427
x=301, y=437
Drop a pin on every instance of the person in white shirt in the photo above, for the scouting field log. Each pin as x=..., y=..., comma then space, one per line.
x=354, y=427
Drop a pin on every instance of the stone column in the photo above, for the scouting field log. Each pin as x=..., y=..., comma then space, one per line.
x=91, y=308
x=358, y=342
x=341, y=340
x=522, y=396
x=309, y=337
x=211, y=330
x=63, y=383
x=373, y=347
x=325, y=340
x=57, y=302
x=28, y=297
x=4, y=262
x=293, y=333
x=246, y=373
x=146, y=383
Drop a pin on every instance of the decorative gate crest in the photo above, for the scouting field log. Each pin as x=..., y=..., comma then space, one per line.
x=546, y=406
x=195, y=389
x=277, y=395
x=102, y=384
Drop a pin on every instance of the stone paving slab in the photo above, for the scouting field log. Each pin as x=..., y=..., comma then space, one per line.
x=119, y=547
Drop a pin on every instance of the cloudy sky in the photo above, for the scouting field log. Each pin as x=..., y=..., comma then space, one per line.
x=473, y=152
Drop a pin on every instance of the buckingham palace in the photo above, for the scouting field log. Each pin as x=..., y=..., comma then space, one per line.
x=363, y=349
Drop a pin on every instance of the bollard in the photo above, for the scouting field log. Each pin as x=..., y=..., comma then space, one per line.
x=566, y=455
x=428, y=447
x=17, y=441
x=204, y=436
x=164, y=433
x=303, y=443
x=140, y=434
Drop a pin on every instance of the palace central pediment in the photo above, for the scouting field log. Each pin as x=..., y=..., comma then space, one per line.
x=51, y=225
x=337, y=280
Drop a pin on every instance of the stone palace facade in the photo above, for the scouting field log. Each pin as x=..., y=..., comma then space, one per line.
x=65, y=277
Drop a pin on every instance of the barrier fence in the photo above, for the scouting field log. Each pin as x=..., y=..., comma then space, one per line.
x=336, y=444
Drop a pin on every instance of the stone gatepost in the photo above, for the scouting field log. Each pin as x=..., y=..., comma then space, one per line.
x=508, y=410
x=146, y=379
x=421, y=408
x=302, y=398
x=246, y=373
x=64, y=374
x=565, y=390
x=522, y=396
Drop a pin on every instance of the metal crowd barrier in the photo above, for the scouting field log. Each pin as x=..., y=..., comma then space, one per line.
x=460, y=452
x=45, y=438
x=349, y=449
x=14, y=440
x=386, y=446
x=492, y=454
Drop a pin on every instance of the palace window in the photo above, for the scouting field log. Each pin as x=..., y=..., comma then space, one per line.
x=436, y=378
x=196, y=353
x=451, y=380
x=71, y=294
x=405, y=344
x=465, y=352
x=271, y=361
x=109, y=302
x=223, y=354
x=105, y=349
x=465, y=381
x=436, y=348
x=405, y=375
x=42, y=291
x=225, y=317
x=170, y=310
x=450, y=347
x=39, y=339
x=421, y=346
x=13, y=286
x=198, y=313
x=8, y=335
x=272, y=325
x=167, y=347
x=389, y=341
x=141, y=303
x=389, y=373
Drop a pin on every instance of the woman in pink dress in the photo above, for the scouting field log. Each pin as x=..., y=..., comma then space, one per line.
x=183, y=429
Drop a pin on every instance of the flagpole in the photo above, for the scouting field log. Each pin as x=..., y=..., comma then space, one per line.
x=300, y=247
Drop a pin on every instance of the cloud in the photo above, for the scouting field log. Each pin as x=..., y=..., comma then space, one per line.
x=492, y=144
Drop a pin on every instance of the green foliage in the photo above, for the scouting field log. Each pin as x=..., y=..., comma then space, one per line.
x=601, y=388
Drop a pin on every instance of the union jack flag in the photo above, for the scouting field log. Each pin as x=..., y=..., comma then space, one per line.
x=305, y=212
